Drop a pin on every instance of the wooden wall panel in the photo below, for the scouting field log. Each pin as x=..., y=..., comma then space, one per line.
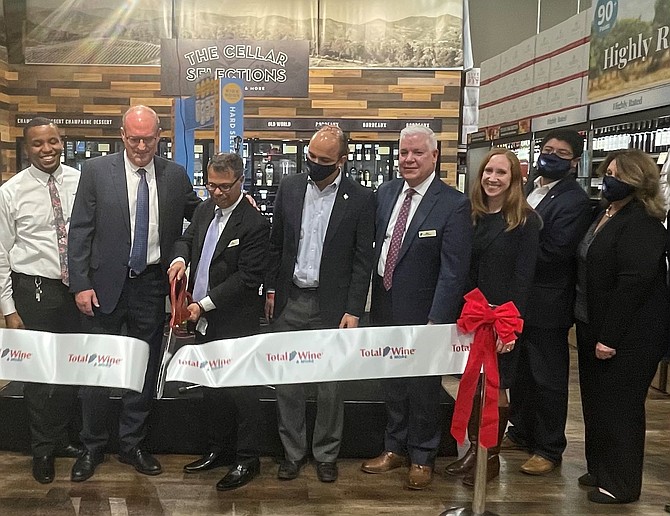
x=333, y=93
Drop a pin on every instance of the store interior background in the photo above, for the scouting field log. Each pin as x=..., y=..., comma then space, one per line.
x=383, y=94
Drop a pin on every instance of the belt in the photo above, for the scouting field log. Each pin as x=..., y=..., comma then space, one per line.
x=150, y=269
x=41, y=278
x=304, y=289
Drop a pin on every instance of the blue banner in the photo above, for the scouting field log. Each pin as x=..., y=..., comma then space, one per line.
x=231, y=115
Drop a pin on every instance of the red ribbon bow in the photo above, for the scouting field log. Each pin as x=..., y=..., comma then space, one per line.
x=478, y=317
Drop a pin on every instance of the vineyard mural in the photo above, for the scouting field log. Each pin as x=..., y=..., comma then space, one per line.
x=391, y=33
x=630, y=47
x=341, y=33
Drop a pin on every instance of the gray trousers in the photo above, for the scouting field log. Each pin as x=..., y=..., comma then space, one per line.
x=302, y=313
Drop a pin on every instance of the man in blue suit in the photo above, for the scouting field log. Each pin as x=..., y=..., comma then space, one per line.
x=422, y=258
x=128, y=212
x=539, y=396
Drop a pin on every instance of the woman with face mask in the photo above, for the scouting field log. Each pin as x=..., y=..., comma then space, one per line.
x=622, y=321
x=504, y=252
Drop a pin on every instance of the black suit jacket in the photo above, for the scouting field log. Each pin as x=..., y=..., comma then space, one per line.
x=99, y=239
x=627, y=298
x=346, y=261
x=434, y=259
x=237, y=267
x=503, y=262
x=566, y=214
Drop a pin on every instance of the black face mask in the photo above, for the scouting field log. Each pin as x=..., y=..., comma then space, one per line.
x=319, y=172
x=553, y=167
x=615, y=190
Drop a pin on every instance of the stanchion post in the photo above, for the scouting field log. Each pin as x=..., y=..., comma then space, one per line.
x=479, y=498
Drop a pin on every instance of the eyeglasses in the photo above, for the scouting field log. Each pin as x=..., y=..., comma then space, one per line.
x=224, y=187
x=134, y=141
x=561, y=153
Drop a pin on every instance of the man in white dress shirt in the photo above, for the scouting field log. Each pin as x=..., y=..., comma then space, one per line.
x=35, y=207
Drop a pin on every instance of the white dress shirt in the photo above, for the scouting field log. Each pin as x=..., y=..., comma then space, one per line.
x=420, y=190
x=28, y=241
x=539, y=192
x=133, y=180
x=316, y=211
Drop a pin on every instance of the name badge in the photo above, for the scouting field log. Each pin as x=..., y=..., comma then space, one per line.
x=427, y=233
x=235, y=242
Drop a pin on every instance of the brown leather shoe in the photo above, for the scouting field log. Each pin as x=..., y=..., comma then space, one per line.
x=538, y=465
x=509, y=444
x=385, y=462
x=419, y=476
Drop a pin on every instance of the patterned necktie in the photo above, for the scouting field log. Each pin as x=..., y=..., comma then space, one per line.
x=201, y=286
x=138, y=254
x=61, y=230
x=397, y=238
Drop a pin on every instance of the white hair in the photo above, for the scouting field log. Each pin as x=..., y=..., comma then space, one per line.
x=417, y=129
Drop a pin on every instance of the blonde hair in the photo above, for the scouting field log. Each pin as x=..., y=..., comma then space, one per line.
x=515, y=208
x=637, y=169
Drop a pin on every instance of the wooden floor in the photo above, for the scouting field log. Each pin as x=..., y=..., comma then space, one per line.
x=116, y=489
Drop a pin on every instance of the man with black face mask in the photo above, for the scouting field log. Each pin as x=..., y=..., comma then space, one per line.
x=539, y=397
x=319, y=272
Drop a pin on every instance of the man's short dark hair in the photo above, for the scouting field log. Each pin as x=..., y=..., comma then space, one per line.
x=38, y=121
x=572, y=138
x=224, y=161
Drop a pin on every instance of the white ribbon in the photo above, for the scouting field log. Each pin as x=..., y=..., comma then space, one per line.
x=323, y=356
x=73, y=359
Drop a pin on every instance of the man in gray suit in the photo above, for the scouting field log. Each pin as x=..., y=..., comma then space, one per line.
x=320, y=262
x=128, y=212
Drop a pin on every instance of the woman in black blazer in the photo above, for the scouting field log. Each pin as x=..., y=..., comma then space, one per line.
x=504, y=253
x=621, y=308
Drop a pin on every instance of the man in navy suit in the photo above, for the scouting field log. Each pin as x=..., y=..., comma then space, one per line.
x=539, y=396
x=319, y=274
x=128, y=212
x=226, y=245
x=422, y=259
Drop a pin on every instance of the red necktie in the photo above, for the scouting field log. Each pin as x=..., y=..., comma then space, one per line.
x=397, y=238
x=61, y=231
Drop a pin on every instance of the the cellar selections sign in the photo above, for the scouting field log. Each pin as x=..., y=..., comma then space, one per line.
x=268, y=68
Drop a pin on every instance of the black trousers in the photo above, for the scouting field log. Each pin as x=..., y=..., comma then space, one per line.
x=412, y=404
x=140, y=313
x=613, y=395
x=539, y=394
x=233, y=413
x=50, y=407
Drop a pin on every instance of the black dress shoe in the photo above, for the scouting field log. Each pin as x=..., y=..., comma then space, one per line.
x=43, y=469
x=587, y=480
x=240, y=475
x=597, y=496
x=84, y=467
x=326, y=471
x=142, y=461
x=72, y=451
x=289, y=469
x=205, y=463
